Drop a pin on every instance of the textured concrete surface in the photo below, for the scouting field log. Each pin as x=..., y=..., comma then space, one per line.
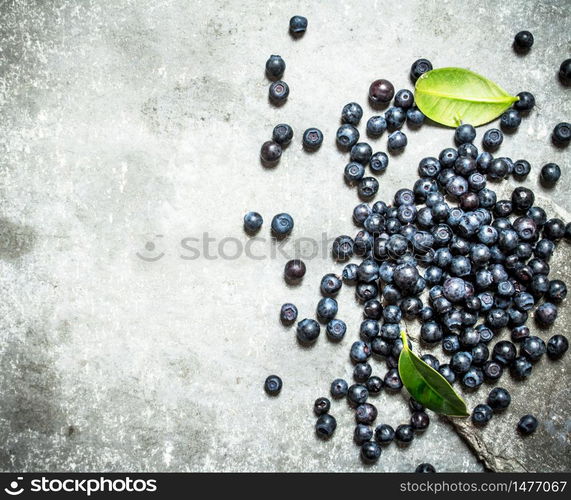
x=128, y=126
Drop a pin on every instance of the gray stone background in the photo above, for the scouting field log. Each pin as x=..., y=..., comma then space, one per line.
x=130, y=122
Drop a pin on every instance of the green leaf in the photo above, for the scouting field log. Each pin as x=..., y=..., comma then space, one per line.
x=452, y=96
x=427, y=386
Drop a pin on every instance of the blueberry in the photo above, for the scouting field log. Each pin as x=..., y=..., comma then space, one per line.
x=565, y=72
x=339, y=388
x=415, y=117
x=294, y=270
x=368, y=187
x=273, y=385
x=523, y=41
x=419, y=421
x=526, y=101
x=487, y=198
x=546, y=314
x=275, y=66
x=519, y=333
x=473, y=378
x=297, y=24
x=379, y=162
x=307, y=331
x=347, y=136
x=282, y=134
x=492, y=370
x=527, y=425
x=288, y=313
x=392, y=314
x=404, y=434
x=431, y=361
x=370, y=452
x=450, y=343
x=411, y=307
x=374, y=384
x=447, y=373
x=330, y=284
x=461, y=361
x=376, y=125
x=384, y=434
x=465, y=133
x=361, y=152
x=404, y=99
x=325, y=426
x=365, y=413
x=521, y=368
x=362, y=434
x=510, y=120
x=282, y=224
x=351, y=113
x=550, y=174
x=312, y=139
x=362, y=371
x=419, y=67
x=557, y=346
x=533, y=348
x=321, y=406
x=397, y=141
x=366, y=291
x=369, y=329
x=361, y=212
x=522, y=168
x=381, y=347
x=357, y=394
x=499, y=399
x=480, y=352
x=482, y=414
x=270, y=152
x=395, y=117
x=253, y=221
x=381, y=91
x=457, y=186
x=390, y=331
x=360, y=351
x=468, y=149
x=279, y=91
x=538, y=215
x=336, y=330
x=561, y=134
x=392, y=380
x=524, y=301
x=327, y=308
x=539, y=285
x=425, y=468
x=504, y=352
x=498, y=169
x=554, y=229
x=454, y=289
x=342, y=247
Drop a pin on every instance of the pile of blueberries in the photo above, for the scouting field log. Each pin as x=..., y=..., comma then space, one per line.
x=446, y=252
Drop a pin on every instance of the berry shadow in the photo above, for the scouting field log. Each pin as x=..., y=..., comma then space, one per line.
x=378, y=105
x=269, y=164
x=275, y=103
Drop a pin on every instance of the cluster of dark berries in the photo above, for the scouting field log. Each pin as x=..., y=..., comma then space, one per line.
x=282, y=224
x=282, y=134
x=447, y=253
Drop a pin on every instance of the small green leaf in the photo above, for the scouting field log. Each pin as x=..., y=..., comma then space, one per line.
x=452, y=96
x=427, y=386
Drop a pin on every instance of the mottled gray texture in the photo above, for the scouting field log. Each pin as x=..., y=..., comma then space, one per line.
x=122, y=121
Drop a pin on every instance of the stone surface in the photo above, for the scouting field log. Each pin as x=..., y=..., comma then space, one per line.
x=128, y=127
